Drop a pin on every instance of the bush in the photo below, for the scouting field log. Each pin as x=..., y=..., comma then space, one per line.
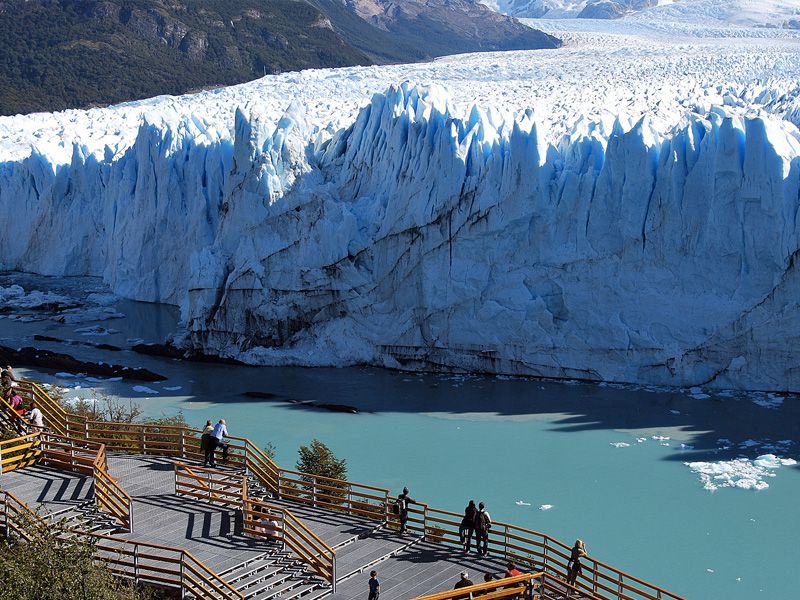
x=49, y=567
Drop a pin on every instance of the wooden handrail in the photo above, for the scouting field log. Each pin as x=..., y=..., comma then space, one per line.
x=550, y=552
x=126, y=554
x=523, y=580
x=20, y=452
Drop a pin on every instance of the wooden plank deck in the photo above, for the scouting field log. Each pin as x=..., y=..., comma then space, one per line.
x=407, y=566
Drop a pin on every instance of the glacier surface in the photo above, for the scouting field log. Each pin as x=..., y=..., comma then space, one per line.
x=622, y=209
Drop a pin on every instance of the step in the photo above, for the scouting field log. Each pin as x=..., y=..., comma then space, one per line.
x=268, y=569
x=251, y=587
x=278, y=590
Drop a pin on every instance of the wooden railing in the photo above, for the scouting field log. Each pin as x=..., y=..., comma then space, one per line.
x=109, y=495
x=15, y=516
x=528, y=547
x=19, y=452
x=352, y=498
x=520, y=586
x=209, y=485
x=139, y=561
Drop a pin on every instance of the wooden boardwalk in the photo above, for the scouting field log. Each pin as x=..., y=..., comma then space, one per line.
x=407, y=566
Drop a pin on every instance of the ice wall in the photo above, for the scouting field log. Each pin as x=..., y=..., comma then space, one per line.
x=419, y=239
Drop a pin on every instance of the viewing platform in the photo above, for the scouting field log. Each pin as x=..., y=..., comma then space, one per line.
x=250, y=529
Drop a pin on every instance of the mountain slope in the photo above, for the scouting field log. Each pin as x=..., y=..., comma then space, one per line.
x=71, y=53
x=429, y=28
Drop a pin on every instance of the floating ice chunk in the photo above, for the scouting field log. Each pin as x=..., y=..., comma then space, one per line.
x=740, y=472
x=173, y=388
x=710, y=570
x=64, y=375
x=135, y=341
x=660, y=438
x=620, y=444
x=143, y=389
x=675, y=412
x=522, y=503
x=545, y=507
x=114, y=379
x=95, y=330
x=770, y=401
x=95, y=380
x=687, y=447
x=641, y=440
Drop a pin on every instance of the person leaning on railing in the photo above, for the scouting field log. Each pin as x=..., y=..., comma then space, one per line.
x=205, y=443
x=574, y=565
x=220, y=431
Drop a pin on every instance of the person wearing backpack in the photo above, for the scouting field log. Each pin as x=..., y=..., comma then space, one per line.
x=483, y=523
x=467, y=527
x=401, y=508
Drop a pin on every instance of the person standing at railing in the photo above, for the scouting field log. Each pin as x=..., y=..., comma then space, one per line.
x=483, y=523
x=401, y=508
x=374, y=586
x=467, y=528
x=6, y=385
x=574, y=566
x=220, y=431
x=205, y=443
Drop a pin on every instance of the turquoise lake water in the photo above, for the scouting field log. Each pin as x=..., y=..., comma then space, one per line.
x=453, y=438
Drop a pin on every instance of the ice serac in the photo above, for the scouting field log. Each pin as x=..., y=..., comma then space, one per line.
x=418, y=239
x=421, y=236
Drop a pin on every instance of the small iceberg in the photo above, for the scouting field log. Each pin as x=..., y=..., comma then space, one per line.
x=143, y=389
x=545, y=507
x=620, y=444
x=522, y=503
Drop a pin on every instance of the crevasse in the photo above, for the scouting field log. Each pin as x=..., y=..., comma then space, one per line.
x=416, y=238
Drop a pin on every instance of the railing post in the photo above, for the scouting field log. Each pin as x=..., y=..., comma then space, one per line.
x=349, y=500
x=333, y=569
x=594, y=577
x=142, y=440
x=425, y=523
x=505, y=540
x=621, y=588
x=183, y=587
x=136, y=563
x=283, y=531
x=386, y=508
x=280, y=475
x=183, y=444
x=314, y=492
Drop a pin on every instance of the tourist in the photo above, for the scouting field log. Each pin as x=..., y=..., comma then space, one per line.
x=467, y=527
x=463, y=581
x=374, y=586
x=512, y=570
x=6, y=386
x=401, y=508
x=574, y=564
x=266, y=525
x=205, y=443
x=10, y=372
x=220, y=431
x=35, y=418
x=16, y=403
x=483, y=523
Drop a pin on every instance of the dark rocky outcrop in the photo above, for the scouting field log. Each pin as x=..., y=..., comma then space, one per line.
x=55, y=361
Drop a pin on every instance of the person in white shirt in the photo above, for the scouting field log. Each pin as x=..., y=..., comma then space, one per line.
x=34, y=417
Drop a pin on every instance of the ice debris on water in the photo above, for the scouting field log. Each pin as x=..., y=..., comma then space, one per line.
x=620, y=444
x=143, y=389
x=522, y=503
x=545, y=507
x=740, y=473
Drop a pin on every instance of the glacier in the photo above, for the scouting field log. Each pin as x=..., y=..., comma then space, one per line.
x=499, y=219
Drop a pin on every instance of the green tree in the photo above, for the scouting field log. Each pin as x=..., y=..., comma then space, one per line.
x=318, y=459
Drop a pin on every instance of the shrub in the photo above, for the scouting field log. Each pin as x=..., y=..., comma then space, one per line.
x=318, y=459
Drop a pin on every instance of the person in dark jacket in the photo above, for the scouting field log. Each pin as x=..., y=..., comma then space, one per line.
x=467, y=527
x=374, y=586
x=574, y=567
x=463, y=582
x=483, y=523
x=205, y=443
x=403, y=500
